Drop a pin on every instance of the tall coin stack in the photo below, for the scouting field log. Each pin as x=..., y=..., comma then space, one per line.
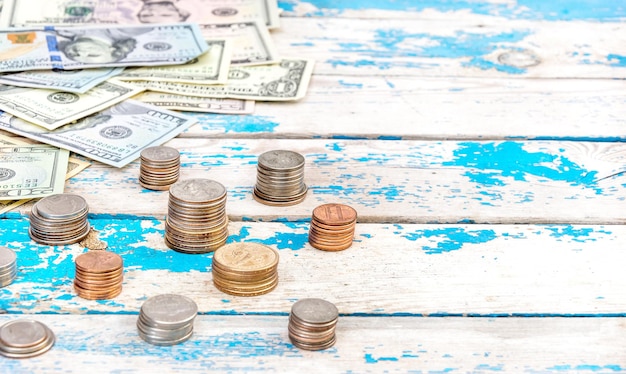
x=332, y=227
x=245, y=269
x=166, y=319
x=280, y=178
x=99, y=275
x=312, y=324
x=59, y=219
x=8, y=266
x=196, y=218
x=160, y=168
x=23, y=338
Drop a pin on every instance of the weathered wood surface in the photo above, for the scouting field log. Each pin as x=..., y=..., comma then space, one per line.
x=365, y=345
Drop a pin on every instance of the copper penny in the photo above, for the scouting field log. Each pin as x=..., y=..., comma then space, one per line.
x=334, y=214
x=99, y=262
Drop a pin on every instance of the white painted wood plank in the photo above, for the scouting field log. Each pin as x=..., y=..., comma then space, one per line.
x=393, y=181
x=458, y=48
x=260, y=343
x=432, y=108
x=486, y=270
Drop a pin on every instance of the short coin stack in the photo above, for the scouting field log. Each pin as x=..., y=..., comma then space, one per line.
x=280, y=178
x=312, y=324
x=332, y=227
x=23, y=338
x=99, y=275
x=245, y=269
x=8, y=266
x=196, y=218
x=166, y=319
x=59, y=219
x=160, y=168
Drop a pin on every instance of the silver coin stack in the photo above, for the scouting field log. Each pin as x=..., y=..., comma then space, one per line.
x=23, y=338
x=8, y=266
x=166, y=319
x=280, y=178
x=196, y=219
x=160, y=168
x=59, y=219
x=312, y=324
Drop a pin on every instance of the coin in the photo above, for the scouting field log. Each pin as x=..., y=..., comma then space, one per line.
x=281, y=160
x=24, y=338
x=166, y=319
x=160, y=154
x=60, y=206
x=312, y=323
x=334, y=214
x=99, y=261
x=197, y=190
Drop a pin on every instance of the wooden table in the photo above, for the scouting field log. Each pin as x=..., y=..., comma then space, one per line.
x=482, y=144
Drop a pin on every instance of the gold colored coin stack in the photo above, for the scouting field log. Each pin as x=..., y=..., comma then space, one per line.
x=8, y=266
x=160, y=168
x=23, y=338
x=312, y=324
x=332, y=227
x=196, y=220
x=245, y=269
x=59, y=219
x=280, y=178
x=99, y=275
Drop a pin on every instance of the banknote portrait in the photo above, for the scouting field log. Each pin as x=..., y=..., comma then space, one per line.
x=161, y=11
x=98, y=46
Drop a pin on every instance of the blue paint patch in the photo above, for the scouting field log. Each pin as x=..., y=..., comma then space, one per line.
x=295, y=239
x=616, y=60
x=580, y=235
x=352, y=85
x=592, y=368
x=485, y=367
x=229, y=123
x=451, y=239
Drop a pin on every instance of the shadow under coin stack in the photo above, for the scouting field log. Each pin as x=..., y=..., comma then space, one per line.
x=99, y=275
x=245, y=269
x=59, y=219
x=8, y=266
x=23, y=338
x=160, y=168
x=332, y=227
x=166, y=319
x=280, y=178
x=196, y=217
x=312, y=324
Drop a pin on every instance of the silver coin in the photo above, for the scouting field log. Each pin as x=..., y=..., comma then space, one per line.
x=160, y=154
x=61, y=206
x=197, y=190
x=315, y=311
x=8, y=258
x=281, y=160
x=169, y=309
x=22, y=333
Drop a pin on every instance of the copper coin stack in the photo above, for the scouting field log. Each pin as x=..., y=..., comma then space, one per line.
x=8, y=266
x=312, y=324
x=245, y=269
x=23, y=338
x=332, y=227
x=99, y=275
x=280, y=178
x=166, y=319
x=160, y=168
x=59, y=219
x=196, y=219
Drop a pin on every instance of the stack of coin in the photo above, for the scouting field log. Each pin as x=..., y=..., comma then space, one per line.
x=99, y=275
x=312, y=324
x=59, y=219
x=8, y=266
x=166, y=319
x=332, y=227
x=196, y=218
x=245, y=269
x=23, y=338
x=280, y=178
x=160, y=168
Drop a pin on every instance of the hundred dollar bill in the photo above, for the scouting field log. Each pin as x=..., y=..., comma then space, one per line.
x=74, y=166
x=59, y=12
x=252, y=43
x=285, y=81
x=210, y=68
x=114, y=136
x=52, y=109
x=196, y=104
x=76, y=81
x=68, y=48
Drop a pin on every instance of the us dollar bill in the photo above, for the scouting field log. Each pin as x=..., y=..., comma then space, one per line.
x=76, y=81
x=74, y=166
x=59, y=12
x=252, y=43
x=52, y=109
x=210, y=68
x=69, y=48
x=285, y=81
x=196, y=104
x=114, y=136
